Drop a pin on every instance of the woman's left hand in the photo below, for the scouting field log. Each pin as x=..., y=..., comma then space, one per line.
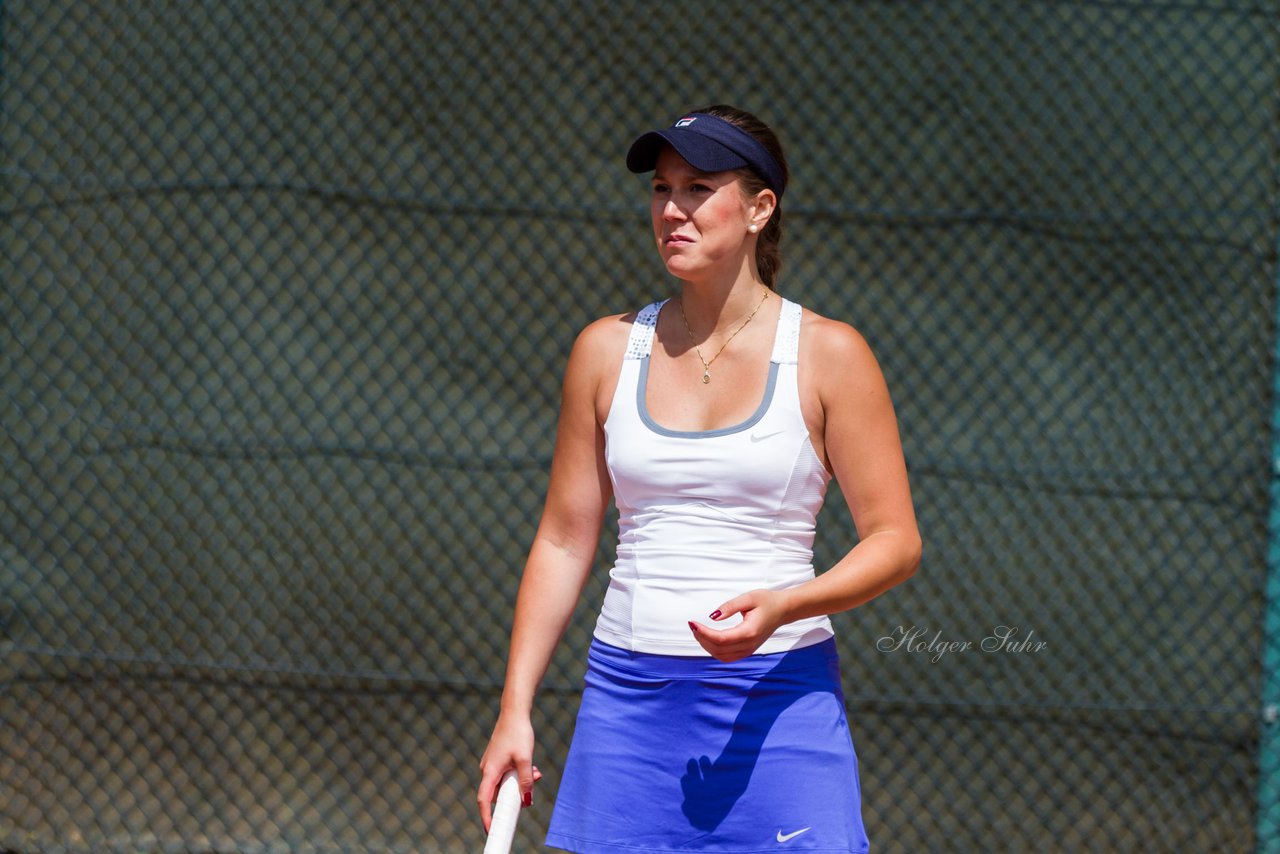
x=762, y=613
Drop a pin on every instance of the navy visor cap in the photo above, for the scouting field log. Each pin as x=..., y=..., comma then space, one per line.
x=709, y=144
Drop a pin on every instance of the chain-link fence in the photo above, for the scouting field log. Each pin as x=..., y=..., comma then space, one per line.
x=287, y=293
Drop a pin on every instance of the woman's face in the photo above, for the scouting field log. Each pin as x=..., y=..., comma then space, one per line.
x=700, y=219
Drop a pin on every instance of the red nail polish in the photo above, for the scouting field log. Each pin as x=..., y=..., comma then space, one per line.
x=693, y=625
x=715, y=615
x=527, y=799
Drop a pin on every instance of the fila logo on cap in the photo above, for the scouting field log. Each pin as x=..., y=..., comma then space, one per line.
x=687, y=120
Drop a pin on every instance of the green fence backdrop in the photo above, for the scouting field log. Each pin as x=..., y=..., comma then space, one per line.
x=286, y=290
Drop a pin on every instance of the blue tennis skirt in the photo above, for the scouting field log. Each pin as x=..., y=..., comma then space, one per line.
x=679, y=753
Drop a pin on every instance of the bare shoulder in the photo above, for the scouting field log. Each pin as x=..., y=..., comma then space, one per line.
x=835, y=348
x=592, y=373
x=606, y=333
x=602, y=341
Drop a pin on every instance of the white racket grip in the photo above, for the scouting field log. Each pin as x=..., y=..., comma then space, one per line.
x=502, y=828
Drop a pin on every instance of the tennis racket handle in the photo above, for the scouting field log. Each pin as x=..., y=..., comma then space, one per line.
x=502, y=828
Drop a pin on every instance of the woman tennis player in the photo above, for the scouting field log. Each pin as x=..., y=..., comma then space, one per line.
x=712, y=717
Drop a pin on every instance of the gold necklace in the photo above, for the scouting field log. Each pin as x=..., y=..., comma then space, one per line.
x=706, y=366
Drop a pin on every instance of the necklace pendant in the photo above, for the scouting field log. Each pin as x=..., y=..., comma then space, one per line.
x=706, y=377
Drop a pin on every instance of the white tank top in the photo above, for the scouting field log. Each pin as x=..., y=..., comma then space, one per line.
x=707, y=515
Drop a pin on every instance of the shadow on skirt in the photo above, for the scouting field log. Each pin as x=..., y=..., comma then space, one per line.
x=679, y=753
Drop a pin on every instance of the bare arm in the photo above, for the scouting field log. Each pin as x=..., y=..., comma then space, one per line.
x=558, y=563
x=860, y=435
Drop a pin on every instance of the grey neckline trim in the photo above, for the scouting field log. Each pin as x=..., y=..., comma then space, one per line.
x=643, y=407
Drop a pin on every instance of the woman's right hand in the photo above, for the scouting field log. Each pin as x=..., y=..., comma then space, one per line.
x=510, y=747
x=560, y=556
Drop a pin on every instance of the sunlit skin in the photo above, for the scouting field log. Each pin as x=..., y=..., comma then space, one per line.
x=702, y=227
x=701, y=222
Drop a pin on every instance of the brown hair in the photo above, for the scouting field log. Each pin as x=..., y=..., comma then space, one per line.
x=769, y=243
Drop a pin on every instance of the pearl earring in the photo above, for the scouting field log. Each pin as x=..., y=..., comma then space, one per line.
x=752, y=228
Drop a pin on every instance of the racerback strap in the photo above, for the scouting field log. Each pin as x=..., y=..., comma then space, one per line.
x=786, y=342
x=641, y=340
